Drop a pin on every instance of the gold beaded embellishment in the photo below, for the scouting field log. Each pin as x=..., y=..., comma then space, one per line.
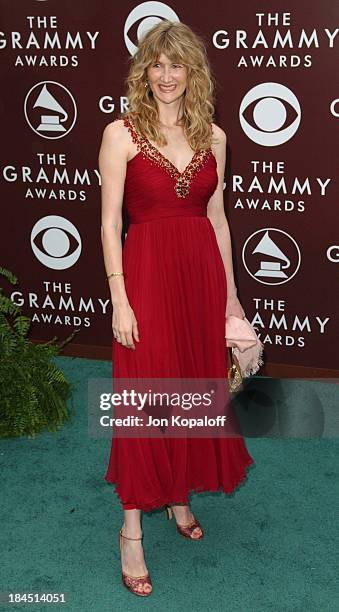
x=183, y=179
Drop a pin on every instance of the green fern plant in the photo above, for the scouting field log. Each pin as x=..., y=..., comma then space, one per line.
x=33, y=390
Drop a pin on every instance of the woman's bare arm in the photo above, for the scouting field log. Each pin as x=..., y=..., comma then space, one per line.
x=216, y=214
x=112, y=166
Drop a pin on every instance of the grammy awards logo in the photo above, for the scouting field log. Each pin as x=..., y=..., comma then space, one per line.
x=50, y=110
x=271, y=256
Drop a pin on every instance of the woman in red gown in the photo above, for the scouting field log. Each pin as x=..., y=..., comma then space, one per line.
x=172, y=283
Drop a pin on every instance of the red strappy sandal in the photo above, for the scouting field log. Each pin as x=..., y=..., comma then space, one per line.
x=132, y=582
x=186, y=530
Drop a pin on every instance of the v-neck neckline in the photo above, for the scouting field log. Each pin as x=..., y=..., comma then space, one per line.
x=156, y=150
x=182, y=180
x=164, y=158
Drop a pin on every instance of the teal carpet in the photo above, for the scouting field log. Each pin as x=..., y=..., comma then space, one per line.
x=271, y=545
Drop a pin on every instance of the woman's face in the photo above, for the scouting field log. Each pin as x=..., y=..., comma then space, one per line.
x=167, y=79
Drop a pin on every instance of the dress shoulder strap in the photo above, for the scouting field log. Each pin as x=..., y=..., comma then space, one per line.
x=136, y=137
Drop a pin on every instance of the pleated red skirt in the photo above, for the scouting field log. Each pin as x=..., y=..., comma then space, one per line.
x=176, y=284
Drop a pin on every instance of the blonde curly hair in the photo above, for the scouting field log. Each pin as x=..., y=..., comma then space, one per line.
x=181, y=45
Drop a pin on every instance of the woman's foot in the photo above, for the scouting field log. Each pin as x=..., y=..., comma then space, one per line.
x=132, y=558
x=184, y=516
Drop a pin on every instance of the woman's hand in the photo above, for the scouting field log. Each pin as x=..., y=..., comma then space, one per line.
x=124, y=325
x=234, y=307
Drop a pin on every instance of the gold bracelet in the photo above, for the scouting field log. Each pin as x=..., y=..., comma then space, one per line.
x=114, y=274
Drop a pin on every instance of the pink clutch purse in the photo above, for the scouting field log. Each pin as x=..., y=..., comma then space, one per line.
x=246, y=350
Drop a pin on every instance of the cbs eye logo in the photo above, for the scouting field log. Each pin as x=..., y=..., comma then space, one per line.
x=270, y=106
x=147, y=14
x=52, y=239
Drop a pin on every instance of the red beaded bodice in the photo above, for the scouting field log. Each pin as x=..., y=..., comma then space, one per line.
x=182, y=179
x=154, y=187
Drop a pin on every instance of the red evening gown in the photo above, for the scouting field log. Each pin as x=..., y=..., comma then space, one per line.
x=176, y=285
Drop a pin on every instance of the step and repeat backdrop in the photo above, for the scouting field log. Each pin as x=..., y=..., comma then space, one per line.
x=63, y=66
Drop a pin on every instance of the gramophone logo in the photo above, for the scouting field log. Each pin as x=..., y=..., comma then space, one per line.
x=56, y=242
x=270, y=114
x=50, y=110
x=271, y=256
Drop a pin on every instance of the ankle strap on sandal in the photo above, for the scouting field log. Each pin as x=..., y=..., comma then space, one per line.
x=127, y=538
